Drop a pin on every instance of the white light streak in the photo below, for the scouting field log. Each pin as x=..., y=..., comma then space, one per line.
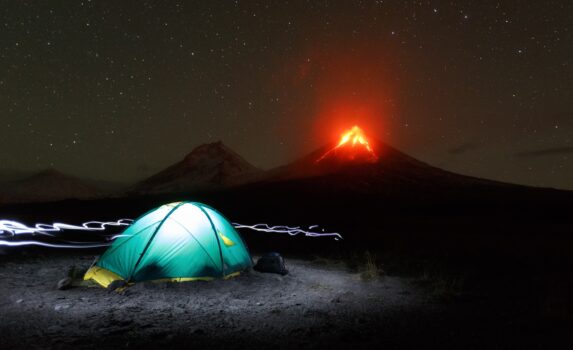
x=15, y=228
x=290, y=230
x=10, y=232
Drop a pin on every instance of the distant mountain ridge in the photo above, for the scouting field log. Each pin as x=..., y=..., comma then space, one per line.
x=47, y=185
x=208, y=166
x=329, y=170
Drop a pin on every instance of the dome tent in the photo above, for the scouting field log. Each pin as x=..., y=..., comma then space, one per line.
x=182, y=241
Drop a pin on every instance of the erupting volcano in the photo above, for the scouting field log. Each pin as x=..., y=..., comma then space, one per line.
x=353, y=145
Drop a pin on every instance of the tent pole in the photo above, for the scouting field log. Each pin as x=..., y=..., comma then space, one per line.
x=218, y=240
x=151, y=240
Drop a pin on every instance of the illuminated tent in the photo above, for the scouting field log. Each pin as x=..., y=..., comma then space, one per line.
x=183, y=241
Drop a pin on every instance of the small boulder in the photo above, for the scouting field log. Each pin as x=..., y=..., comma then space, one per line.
x=65, y=283
x=272, y=263
x=60, y=307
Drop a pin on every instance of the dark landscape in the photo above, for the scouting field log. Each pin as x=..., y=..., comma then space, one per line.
x=293, y=174
x=428, y=258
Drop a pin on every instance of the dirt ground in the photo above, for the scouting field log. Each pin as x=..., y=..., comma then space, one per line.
x=319, y=304
x=314, y=305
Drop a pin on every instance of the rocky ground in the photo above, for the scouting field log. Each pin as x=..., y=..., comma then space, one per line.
x=315, y=304
x=319, y=304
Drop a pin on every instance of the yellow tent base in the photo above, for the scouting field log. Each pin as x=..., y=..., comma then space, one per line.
x=105, y=277
x=102, y=276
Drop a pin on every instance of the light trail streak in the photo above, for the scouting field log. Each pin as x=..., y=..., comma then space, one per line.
x=290, y=230
x=51, y=245
x=11, y=231
x=16, y=228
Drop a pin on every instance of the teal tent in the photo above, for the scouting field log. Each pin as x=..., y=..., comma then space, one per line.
x=183, y=241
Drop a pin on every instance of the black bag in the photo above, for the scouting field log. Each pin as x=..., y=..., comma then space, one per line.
x=271, y=262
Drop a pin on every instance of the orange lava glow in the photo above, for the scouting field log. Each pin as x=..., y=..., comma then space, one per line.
x=352, y=138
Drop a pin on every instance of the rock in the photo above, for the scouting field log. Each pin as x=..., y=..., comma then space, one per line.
x=59, y=307
x=65, y=283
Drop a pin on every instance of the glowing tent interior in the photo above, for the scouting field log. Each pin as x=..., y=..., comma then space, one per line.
x=182, y=241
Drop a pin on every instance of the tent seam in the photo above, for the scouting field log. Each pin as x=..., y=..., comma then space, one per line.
x=238, y=234
x=196, y=240
x=216, y=236
x=113, y=249
x=151, y=240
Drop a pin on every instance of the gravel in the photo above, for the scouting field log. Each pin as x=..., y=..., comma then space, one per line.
x=313, y=306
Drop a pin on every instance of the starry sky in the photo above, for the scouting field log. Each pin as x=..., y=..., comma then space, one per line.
x=118, y=90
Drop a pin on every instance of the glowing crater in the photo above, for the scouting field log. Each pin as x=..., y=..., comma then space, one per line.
x=353, y=142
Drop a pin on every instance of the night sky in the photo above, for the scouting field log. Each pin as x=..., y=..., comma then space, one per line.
x=118, y=90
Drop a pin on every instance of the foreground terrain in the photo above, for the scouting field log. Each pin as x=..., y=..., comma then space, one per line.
x=320, y=304
x=451, y=268
x=310, y=303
